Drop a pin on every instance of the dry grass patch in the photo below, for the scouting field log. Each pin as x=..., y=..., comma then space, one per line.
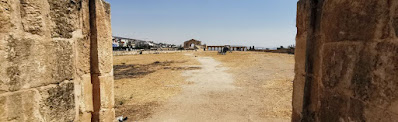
x=144, y=82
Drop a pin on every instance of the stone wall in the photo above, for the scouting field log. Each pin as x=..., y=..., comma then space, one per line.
x=346, y=61
x=53, y=54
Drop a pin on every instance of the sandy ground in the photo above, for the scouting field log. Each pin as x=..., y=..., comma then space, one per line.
x=244, y=86
x=144, y=82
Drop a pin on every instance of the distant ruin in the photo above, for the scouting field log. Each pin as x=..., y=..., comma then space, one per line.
x=192, y=44
x=346, y=61
x=56, y=61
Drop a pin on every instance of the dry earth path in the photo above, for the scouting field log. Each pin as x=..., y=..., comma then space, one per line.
x=212, y=96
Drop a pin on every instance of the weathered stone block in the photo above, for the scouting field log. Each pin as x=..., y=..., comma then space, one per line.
x=384, y=86
x=83, y=56
x=302, y=20
x=20, y=106
x=298, y=94
x=32, y=16
x=87, y=94
x=5, y=18
x=63, y=62
x=28, y=65
x=338, y=64
x=352, y=20
x=18, y=53
x=339, y=107
x=104, y=34
x=65, y=16
x=85, y=117
x=107, y=115
x=3, y=108
x=107, y=92
x=376, y=114
x=58, y=99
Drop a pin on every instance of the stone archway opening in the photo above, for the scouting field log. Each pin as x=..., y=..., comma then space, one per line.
x=58, y=61
x=192, y=45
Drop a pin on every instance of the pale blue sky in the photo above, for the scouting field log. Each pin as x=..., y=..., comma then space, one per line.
x=263, y=23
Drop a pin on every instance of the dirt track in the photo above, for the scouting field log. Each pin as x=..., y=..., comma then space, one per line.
x=245, y=86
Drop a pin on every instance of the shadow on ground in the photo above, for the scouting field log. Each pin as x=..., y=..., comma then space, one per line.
x=139, y=70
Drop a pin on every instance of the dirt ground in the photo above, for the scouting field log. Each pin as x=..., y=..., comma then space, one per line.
x=239, y=86
x=143, y=82
x=267, y=77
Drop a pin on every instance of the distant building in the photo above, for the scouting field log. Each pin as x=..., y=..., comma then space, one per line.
x=121, y=43
x=192, y=44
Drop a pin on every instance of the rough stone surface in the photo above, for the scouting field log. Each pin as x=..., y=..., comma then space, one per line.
x=5, y=19
x=58, y=99
x=107, y=115
x=104, y=34
x=87, y=94
x=300, y=57
x=352, y=20
x=65, y=17
x=45, y=60
x=20, y=106
x=33, y=18
x=107, y=92
x=355, y=77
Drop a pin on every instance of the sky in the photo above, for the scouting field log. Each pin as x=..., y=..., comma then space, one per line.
x=260, y=23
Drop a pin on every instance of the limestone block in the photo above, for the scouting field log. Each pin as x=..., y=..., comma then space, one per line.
x=375, y=74
x=298, y=94
x=300, y=57
x=20, y=106
x=31, y=63
x=302, y=20
x=352, y=20
x=376, y=114
x=83, y=55
x=83, y=42
x=33, y=18
x=5, y=13
x=338, y=107
x=107, y=92
x=17, y=69
x=87, y=94
x=3, y=108
x=85, y=117
x=339, y=60
x=383, y=89
x=104, y=35
x=58, y=102
x=107, y=115
x=65, y=16
x=62, y=63
x=85, y=17
x=301, y=37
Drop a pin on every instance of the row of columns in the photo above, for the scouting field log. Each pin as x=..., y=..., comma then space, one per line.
x=214, y=48
x=221, y=47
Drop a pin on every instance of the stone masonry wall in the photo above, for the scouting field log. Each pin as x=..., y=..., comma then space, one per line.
x=346, y=61
x=49, y=54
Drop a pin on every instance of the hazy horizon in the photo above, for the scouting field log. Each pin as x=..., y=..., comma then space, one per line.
x=260, y=23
